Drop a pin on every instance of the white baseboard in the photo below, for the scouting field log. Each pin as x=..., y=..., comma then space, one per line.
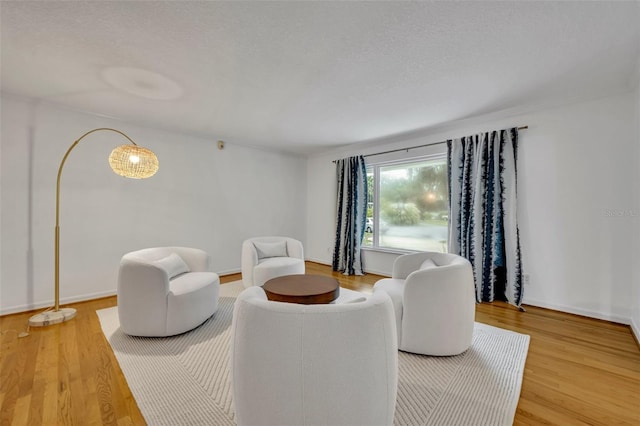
x=376, y=272
x=635, y=329
x=578, y=311
x=366, y=270
x=320, y=261
x=229, y=272
x=50, y=303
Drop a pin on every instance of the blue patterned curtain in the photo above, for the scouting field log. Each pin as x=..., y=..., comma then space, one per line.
x=351, y=219
x=483, y=224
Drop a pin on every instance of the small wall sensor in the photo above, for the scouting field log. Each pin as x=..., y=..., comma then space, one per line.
x=220, y=145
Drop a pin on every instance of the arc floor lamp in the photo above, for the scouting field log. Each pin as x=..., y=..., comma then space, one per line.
x=130, y=161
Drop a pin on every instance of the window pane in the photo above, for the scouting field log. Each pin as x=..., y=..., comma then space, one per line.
x=413, y=203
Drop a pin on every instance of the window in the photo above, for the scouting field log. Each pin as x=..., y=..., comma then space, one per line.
x=408, y=204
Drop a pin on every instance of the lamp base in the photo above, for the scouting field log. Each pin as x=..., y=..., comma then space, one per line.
x=52, y=317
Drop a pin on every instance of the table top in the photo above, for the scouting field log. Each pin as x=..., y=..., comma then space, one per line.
x=304, y=289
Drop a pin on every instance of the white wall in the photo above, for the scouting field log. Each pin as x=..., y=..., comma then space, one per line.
x=576, y=175
x=201, y=197
x=577, y=167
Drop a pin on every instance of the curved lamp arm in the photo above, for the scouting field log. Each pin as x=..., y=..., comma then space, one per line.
x=123, y=150
x=64, y=159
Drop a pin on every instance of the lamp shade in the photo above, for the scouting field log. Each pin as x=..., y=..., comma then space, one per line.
x=133, y=161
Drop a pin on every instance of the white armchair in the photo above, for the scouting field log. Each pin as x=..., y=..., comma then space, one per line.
x=333, y=364
x=165, y=291
x=433, y=297
x=264, y=258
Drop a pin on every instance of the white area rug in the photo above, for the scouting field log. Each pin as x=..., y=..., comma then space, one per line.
x=184, y=380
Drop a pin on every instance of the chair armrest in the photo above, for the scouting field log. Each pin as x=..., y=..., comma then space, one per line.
x=249, y=260
x=142, y=297
x=439, y=283
x=435, y=291
x=142, y=278
x=408, y=263
x=295, y=249
x=253, y=292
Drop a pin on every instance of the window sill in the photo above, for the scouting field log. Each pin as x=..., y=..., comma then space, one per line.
x=388, y=250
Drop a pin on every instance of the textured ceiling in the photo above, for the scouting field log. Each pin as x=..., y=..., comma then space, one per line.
x=306, y=76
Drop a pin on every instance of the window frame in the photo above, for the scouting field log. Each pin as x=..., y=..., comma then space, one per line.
x=375, y=167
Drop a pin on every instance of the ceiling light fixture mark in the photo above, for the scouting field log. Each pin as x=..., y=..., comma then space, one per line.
x=142, y=83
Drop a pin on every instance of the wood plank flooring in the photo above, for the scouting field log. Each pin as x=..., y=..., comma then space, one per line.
x=579, y=371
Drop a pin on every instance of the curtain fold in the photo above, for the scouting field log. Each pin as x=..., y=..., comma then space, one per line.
x=351, y=215
x=483, y=225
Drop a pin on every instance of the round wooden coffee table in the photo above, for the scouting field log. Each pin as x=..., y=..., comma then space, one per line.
x=303, y=289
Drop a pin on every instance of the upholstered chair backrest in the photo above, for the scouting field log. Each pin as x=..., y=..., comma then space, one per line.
x=251, y=253
x=313, y=364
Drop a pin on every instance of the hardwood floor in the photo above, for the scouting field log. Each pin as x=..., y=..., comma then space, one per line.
x=578, y=371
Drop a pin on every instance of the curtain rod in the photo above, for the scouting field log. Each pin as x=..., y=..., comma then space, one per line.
x=419, y=146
